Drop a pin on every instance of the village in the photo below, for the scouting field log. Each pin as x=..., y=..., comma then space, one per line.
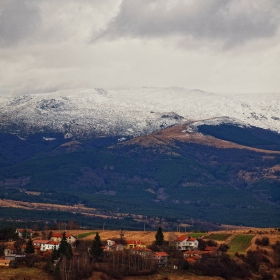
x=187, y=245
x=69, y=254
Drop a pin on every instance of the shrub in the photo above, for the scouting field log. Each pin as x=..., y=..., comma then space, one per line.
x=262, y=242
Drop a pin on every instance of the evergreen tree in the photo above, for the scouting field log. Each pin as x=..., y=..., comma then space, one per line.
x=65, y=248
x=55, y=254
x=159, y=237
x=96, y=247
x=29, y=247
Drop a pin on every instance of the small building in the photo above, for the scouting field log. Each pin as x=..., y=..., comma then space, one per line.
x=161, y=258
x=186, y=243
x=113, y=246
x=24, y=232
x=145, y=252
x=10, y=253
x=5, y=263
x=56, y=236
x=197, y=254
x=134, y=243
x=46, y=244
x=10, y=250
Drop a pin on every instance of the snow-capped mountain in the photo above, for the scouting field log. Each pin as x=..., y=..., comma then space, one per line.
x=132, y=112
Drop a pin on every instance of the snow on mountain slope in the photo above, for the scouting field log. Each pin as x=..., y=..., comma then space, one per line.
x=132, y=112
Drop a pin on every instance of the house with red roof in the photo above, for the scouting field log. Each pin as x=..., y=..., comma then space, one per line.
x=24, y=232
x=10, y=253
x=45, y=245
x=57, y=236
x=197, y=254
x=161, y=258
x=134, y=243
x=145, y=252
x=185, y=242
x=112, y=246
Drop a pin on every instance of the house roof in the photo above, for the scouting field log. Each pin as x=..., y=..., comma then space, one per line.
x=209, y=248
x=197, y=252
x=141, y=249
x=161, y=254
x=41, y=241
x=191, y=239
x=190, y=260
x=181, y=238
x=53, y=242
x=135, y=242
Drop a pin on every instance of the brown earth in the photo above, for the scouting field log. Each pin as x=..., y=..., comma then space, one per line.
x=184, y=133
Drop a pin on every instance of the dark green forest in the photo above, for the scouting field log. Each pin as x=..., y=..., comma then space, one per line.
x=232, y=186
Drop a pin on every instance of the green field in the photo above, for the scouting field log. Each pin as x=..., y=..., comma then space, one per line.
x=85, y=234
x=240, y=243
x=218, y=236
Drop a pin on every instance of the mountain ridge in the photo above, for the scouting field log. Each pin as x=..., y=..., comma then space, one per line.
x=84, y=113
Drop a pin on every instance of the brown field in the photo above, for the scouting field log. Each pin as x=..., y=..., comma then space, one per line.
x=22, y=273
x=149, y=236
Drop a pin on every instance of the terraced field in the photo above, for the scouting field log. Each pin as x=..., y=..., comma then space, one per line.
x=218, y=236
x=240, y=243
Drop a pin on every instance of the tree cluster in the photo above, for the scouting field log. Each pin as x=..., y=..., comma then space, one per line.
x=240, y=266
x=7, y=233
x=124, y=263
x=262, y=241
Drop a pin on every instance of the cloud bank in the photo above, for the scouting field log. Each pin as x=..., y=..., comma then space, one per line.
x=229, y=21
x=214, y=45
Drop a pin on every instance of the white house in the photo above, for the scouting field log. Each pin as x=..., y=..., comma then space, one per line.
x=46, y=244
x=24, y=231
x=186, y=243
x=112, y=246
x=58, y=237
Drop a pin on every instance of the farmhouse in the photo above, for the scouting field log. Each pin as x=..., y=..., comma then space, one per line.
x=24, y=232
x=58, y=237
x=161, y=257
x=112, y=246
x=46, y=244
x=134, y=243
x=197, y=254
x=141, y=251
x=186, y=243
x=10, y=250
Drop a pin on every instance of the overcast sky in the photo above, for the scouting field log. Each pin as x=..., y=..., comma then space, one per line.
x=228, y=46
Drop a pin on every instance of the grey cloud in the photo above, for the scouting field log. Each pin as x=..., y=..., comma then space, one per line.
x=228, y=21
x=18, y=20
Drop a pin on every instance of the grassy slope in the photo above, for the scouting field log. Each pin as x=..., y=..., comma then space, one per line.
x=240, y=243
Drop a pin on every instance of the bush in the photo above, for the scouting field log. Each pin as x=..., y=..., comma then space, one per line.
x=262, y=242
